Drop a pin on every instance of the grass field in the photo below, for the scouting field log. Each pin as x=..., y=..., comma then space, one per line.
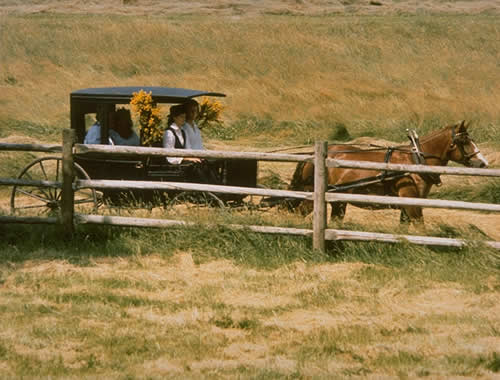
x=205, y=302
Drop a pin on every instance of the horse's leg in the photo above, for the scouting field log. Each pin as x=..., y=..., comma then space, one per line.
x=410, y=214
x=404, y=218
x=305, y=207
x=338, y=211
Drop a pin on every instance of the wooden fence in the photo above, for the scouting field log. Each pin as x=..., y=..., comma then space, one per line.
x=319, y=232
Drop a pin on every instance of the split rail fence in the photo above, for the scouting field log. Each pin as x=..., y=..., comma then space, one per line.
x=320, y=197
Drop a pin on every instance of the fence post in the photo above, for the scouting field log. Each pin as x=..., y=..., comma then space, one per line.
x=67, y=192
x=320, y=179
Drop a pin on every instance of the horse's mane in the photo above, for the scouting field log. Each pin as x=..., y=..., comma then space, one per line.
x=436, y=132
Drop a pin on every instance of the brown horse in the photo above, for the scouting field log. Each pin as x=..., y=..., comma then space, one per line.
x=451, y=143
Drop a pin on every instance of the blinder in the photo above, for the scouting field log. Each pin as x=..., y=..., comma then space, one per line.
x=458, y=140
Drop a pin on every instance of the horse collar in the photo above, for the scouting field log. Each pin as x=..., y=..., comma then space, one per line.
x=416, y=150
x=419, y=159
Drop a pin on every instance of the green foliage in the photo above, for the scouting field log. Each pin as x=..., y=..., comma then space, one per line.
x=243, y=127
x=266, y=130
x=420, y=263
x=493, y=363
x=272, y=180
x=226, y=321
x=247, y=248
x=486, y=133
x=488, y=192
x=339, y=132
x=38, y=131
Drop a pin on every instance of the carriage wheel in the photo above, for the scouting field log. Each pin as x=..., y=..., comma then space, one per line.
x=195, y=199
x=44, y=201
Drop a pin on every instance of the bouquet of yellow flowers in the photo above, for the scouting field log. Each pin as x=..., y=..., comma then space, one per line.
x=210, y=113
x=149, y=117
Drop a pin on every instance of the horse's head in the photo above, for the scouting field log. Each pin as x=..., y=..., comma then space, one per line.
x=463, y=150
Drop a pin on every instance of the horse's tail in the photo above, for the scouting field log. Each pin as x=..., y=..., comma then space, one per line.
x=298, y=181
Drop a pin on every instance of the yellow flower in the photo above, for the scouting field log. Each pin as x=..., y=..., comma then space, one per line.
x=148, y=115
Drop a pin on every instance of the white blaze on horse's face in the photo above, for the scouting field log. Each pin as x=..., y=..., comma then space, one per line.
x=479, y=160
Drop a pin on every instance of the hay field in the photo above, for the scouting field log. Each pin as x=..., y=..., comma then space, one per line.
x=211, y=303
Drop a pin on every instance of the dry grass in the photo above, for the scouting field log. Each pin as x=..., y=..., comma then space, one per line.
x=151, y=317
x=245, y=306
x=352, y=68
x=246, y=8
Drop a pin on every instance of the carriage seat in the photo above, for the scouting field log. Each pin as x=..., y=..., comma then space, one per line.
x=158, y=167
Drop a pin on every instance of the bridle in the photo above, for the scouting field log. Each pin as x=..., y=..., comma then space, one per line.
x=458, y=139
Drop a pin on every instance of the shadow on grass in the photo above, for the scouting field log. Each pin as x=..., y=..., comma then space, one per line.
x=20, y=243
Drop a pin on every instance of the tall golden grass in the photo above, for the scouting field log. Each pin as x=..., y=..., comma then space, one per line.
x=346, y=68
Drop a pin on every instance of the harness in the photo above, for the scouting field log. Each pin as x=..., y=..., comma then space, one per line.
x=385, y=177
x=457, y=142
x=419, y=158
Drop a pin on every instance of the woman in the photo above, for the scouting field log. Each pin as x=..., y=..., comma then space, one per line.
x=191, y=130
x=121, y=132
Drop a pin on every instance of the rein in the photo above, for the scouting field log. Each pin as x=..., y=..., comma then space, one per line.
x=457, y=140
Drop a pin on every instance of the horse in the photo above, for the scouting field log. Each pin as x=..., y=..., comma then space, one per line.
x=450, y=143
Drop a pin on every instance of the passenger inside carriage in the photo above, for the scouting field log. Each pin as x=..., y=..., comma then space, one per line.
x=176, y=137
x=190, y=128
x=120, y=130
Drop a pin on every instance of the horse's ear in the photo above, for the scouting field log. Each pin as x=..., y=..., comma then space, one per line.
x=463, y=127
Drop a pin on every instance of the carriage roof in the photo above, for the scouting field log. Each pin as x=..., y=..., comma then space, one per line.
x=121, y=95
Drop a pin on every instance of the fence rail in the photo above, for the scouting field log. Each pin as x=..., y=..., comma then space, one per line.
x=28, y=220
x=320, y=197
x=405, y=201
x=187, y=186
x=46, y=148
x=333, y=163
x=82, y=149
x=29, y=182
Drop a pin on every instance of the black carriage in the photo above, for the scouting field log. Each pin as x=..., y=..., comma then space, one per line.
x=90, y=103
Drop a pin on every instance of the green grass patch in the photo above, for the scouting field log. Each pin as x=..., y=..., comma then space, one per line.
x=329, y=294
x=266, y=131
x=37, y=131
x=488, y=192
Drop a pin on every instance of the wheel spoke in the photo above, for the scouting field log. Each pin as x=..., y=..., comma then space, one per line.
x=84, y=200
x=44, y=200
x=32, y=207
x=43, y=170
x=49, y=190
x=30, y=194
x=42, y=190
